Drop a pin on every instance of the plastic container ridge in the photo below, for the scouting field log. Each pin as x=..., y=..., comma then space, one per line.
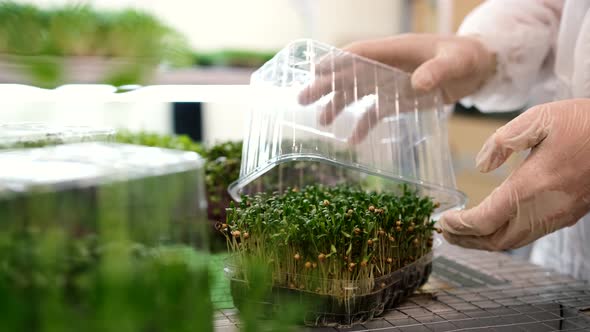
x=32, y=134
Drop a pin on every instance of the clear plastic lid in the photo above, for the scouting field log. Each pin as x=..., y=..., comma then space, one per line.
x=92, y=163
x=355, y=121
x=31, y=134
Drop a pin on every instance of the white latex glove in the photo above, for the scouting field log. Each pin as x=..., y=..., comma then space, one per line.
x=458, y=65
x=548, y=191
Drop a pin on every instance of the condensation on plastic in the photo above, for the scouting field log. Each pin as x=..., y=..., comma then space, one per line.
x=157, y=194
x=356, y=301
x=285, y=145
x=32, y=134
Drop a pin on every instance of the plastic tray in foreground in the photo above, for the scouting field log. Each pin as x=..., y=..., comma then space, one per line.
x=346, y=303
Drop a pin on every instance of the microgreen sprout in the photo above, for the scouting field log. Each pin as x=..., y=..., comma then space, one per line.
x=321, y=238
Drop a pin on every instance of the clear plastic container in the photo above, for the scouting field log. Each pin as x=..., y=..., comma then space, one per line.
x=153, y=196
x=30, y=134
x=348, y=302
x=383, y=133
x=103, y=235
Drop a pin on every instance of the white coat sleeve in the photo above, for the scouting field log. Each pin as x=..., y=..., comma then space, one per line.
x=522, y=34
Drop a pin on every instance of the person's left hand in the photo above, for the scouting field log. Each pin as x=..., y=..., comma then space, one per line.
x=548, y=191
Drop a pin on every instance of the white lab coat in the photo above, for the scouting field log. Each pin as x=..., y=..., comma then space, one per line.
x=543, y=51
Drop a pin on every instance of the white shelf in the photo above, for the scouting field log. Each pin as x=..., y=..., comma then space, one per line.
x=201, y=76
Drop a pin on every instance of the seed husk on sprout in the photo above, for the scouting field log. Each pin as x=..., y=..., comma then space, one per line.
x=297, y=257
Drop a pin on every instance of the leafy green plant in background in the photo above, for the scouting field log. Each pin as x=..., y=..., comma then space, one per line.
x=222, y=168
x=129, y=43
x=119, y=256
x=177, y=142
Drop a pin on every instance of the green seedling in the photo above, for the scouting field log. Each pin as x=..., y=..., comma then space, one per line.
x=319, y=238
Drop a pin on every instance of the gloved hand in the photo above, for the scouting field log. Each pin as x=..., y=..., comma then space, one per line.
x=457, y=65
x=548, y=191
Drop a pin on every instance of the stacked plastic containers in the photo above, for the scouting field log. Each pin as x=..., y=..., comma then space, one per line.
x=32, y=134
x=90, y=229
x=354, y=121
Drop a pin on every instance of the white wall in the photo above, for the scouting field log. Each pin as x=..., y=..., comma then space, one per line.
x=336, y=22
x=213, y=24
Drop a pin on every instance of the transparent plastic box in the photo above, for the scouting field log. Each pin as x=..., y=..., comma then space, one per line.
x=153, y=196
x=383, y=133
x=103, y=235
x=32, y=134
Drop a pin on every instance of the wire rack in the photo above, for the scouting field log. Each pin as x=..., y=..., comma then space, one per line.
x=478, y=291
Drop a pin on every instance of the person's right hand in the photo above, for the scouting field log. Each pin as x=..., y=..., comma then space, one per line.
x=456, y=65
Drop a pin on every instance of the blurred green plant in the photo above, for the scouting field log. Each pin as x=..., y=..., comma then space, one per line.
x=42, y=40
